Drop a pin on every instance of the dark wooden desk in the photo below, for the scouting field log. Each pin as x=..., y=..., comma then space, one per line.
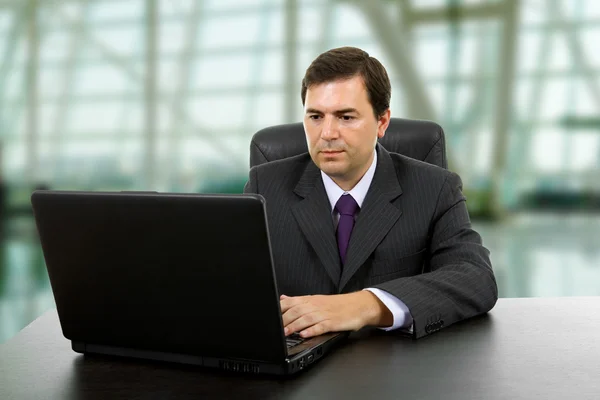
x=545, y=348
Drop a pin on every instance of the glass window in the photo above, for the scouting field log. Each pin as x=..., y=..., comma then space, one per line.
x=270, y=68
x=224, y=111
x=349, y=23
x=172, y=37
x=55, y=46
x=230, y=31
x=176, y=8
x=546, y=150
x=584, y=150
x=125, y=41
x=592, y=10
x=273, y=31
x=13, y=157
x=431, y=56
x=101, y=79
x=266, y=109
x=48, y=118
x=6, y=18
x=589, y=39
x=13, y=121
x=225, y=71
x=98, y=118
x=110, y=10
x=51, y=82
x=234, y=5
x=560, y=57
x=529, y=51
x=554, y=99
x=587, y=103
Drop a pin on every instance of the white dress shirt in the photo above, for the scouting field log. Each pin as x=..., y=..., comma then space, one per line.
x=399, y=310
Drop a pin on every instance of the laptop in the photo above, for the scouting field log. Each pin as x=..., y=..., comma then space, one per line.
x=187, y=278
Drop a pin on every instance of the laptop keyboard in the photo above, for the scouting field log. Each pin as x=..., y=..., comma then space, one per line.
x=294, y=340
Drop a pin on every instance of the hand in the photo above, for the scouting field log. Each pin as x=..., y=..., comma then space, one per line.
x=319, y=314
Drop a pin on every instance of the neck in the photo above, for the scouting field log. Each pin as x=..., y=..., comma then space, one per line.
x=346, y=186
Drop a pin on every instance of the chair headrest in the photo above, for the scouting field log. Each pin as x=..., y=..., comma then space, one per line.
x=422, y=140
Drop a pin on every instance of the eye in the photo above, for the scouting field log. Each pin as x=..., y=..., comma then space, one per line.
x=347, y=117
x=314, y=117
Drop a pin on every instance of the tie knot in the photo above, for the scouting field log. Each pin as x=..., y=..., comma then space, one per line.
x=346, y=205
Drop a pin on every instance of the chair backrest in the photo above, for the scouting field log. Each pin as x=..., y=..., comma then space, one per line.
x=422, y=140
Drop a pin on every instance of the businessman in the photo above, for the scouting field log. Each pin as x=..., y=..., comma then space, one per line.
x=362, y=236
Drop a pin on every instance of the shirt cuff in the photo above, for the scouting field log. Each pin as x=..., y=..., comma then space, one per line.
x=399, y=310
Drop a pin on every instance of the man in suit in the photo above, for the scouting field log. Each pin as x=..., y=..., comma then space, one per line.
x=362, y=236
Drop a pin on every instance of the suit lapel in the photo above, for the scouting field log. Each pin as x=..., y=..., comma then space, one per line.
x=377, y=216
x=314, y=218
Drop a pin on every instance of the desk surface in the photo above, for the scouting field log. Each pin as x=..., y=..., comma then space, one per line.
x=544, y=348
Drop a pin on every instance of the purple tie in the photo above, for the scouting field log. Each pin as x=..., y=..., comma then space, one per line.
x=347, y=208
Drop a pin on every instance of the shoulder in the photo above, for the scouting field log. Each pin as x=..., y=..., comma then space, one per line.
x=426, y=183
x=419, y=174
x=280, y=174
x=407, y=165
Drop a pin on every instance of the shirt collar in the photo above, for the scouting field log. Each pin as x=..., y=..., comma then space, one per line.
x=358, y=192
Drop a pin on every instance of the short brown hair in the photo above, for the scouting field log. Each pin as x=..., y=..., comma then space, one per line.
x=345, y=63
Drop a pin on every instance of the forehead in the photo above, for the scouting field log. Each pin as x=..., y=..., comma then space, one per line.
x=347, y=93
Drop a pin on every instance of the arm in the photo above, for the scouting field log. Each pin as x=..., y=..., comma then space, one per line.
x=461, y=282
x=318, y=314
x=401, y=318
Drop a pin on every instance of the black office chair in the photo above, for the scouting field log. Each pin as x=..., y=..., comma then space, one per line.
x=422, y=140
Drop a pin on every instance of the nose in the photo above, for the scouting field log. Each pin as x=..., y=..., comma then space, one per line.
x=329, y=129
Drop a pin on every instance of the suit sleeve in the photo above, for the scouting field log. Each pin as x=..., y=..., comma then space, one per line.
x=460, y=282
x=252, y=185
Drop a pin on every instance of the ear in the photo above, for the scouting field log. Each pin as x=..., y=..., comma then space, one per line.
x=383, y=122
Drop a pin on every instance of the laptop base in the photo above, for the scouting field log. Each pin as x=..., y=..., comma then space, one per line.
x=291, y=365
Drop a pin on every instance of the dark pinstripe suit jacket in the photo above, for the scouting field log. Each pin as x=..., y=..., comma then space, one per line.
x=412, y=238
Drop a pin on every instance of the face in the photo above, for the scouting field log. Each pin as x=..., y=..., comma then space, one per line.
x=341, y=129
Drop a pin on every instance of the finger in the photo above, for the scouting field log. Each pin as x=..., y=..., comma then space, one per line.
x=305, y=321
x=317, y=329
x=296, y=312
x=290, y=302
x=283, y=296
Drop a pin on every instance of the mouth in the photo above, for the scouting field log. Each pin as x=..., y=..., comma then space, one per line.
x=331, y=152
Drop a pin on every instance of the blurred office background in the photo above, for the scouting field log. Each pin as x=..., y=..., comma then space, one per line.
x=166, y=94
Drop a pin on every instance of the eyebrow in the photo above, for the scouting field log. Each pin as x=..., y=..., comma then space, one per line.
x=337, y=112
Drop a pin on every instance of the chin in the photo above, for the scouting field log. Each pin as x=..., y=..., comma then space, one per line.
x=332, y=170
x=332, y=167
